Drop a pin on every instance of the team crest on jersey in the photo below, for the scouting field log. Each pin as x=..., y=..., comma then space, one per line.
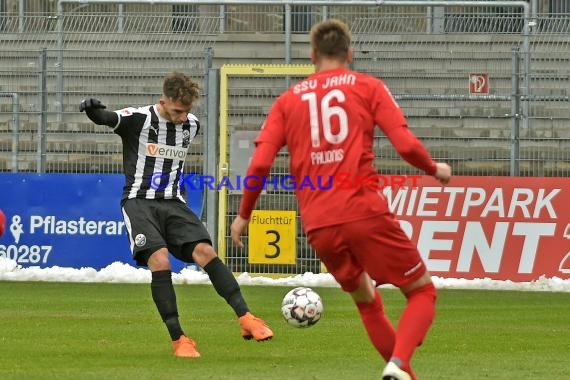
x=140, y=240
x=126, y=111
x=186, y=138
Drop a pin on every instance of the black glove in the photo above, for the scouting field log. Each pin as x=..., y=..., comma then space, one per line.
x=91, y=103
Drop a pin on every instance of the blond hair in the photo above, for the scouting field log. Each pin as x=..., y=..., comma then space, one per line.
x=331, y=39
x=180, y=87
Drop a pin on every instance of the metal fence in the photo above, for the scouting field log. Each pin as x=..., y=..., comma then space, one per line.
x=519, y=124
x=52, y=57
x=253, y=16
x=83, y=55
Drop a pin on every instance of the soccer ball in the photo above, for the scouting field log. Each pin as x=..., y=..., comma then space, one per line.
x=302, y=307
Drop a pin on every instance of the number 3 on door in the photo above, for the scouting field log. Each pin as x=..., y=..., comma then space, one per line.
x=272, y=237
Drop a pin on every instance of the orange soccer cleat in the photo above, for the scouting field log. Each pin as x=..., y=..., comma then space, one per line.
x=185, y=348
x=253, y=327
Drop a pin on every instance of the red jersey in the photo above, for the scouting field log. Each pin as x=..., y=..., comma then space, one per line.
x=327, y=122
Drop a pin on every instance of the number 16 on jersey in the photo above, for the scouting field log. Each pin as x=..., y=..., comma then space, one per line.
x=272, y=237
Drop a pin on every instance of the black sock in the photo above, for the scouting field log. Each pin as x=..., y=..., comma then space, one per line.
x=226, y=285
x=165, y=300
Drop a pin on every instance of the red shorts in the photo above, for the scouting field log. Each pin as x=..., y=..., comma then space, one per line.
x=377, y=246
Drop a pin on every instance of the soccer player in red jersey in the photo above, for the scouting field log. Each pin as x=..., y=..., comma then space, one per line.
x=327, y=122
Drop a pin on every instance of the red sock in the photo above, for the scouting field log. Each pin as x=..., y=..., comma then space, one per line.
x=414, y=323
x=378, y=326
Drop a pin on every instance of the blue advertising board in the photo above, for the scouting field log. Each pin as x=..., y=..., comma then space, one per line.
x=68, y=220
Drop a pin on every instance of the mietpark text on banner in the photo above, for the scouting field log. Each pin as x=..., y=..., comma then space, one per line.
x=503, y=228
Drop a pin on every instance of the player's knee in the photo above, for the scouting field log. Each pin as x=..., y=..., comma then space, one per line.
x=159, y=260
x=410, y=288
x=203, y=253
x=363, y=295
x=374, y=306
x=366, y=291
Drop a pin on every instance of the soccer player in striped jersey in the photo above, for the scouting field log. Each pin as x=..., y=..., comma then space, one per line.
x=155, y=141
x=327, y=122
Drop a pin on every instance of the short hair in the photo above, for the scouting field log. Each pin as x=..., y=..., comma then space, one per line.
x=180, y=87
x=331, y=39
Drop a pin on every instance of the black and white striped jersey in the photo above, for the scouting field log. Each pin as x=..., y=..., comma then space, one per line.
x=154, y=151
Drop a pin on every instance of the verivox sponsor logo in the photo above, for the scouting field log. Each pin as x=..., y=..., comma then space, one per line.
x=340, y=181
x=166, y=151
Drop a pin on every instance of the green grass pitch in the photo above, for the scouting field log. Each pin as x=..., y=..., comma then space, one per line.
x=112, y=331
